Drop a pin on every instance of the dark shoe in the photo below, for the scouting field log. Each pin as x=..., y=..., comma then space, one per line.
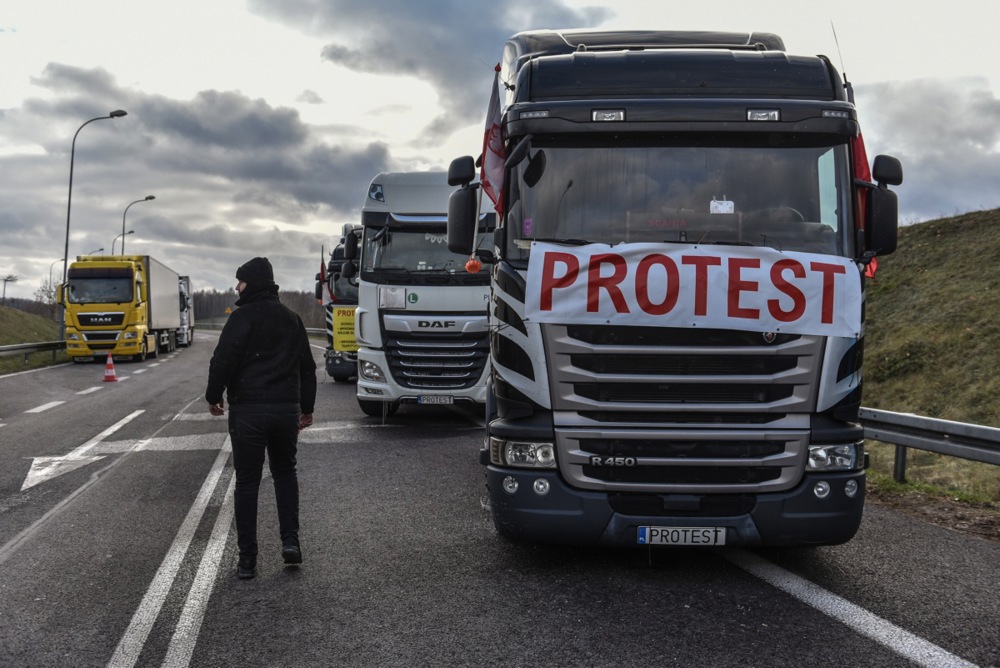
x=247, y=568
x=290, y=551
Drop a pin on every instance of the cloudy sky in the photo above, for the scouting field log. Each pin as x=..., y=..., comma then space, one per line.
x=258, y=124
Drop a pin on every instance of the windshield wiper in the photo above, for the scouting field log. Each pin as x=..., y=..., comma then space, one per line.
x=567, y=242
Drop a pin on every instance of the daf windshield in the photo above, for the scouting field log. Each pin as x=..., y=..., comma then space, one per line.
x=786, y=197
x=417, y=248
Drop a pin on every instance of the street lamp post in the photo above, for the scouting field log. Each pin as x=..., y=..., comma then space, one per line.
x=50, y=272
x=96, y=250
x=122, y=237
x=145, y=199
x=118, y=113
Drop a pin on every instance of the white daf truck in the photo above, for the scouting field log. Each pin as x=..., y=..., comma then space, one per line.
x=421, y=322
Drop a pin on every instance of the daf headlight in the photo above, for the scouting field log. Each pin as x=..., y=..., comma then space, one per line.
x=522, y=454
x=840, y=457
x=371, y=371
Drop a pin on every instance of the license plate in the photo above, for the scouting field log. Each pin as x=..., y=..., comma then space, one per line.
x=435, y=399
x=681, y=536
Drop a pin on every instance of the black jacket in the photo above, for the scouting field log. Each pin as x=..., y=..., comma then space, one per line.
x=263, y=356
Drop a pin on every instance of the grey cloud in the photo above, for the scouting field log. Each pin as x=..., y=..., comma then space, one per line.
x=946, y=134
x=454, y=48
x=213, y=162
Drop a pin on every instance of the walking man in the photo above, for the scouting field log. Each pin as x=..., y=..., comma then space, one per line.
x=264, y=363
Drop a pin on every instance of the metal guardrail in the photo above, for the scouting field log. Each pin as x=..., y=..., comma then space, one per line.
x=906, y=430
x=29, y=348
x=312, y=331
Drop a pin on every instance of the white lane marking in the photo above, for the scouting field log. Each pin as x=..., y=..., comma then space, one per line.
x=189, y=625
x=43, y=368
x=901, y=641
x=44, y=468
x=155, y=364
x=134, y=639
x=138, y=371
x=44, y=407
x=91, y=389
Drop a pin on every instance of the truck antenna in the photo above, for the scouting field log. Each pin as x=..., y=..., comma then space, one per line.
x=847, y=84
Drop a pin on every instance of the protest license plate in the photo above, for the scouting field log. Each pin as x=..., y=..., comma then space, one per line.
x=681, y=536
x=435, y=399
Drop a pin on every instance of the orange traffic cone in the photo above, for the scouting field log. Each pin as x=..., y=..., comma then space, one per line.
x=109, y=371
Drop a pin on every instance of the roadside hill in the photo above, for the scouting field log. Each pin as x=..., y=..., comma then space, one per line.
x=21, y=327
x=931, y=343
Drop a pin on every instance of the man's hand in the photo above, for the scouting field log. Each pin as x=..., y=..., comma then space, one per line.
x=305, y=420
x=216, y=409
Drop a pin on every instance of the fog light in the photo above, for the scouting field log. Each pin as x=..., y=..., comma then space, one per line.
x=851, y=488
x=510, y=484
x=821, y=489
x=541, y=487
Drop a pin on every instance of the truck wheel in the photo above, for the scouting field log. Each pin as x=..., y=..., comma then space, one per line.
x=377, y=408
x=141, y=357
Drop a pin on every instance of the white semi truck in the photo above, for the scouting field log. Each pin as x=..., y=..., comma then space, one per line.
x=185, y=333
x=677, y=289
x=421, y=321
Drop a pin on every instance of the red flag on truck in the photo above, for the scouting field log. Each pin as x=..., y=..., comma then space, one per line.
x=863, y=172
x=494, y=153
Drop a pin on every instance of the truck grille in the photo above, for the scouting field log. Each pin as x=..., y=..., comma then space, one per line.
x=114, y=319
x=661, y=411
x=437, y=361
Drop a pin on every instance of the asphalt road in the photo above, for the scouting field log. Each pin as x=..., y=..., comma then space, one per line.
x=117, y=549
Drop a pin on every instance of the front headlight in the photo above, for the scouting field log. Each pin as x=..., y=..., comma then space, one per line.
x=371, y=371
x=72, y=337
x=129, y=335
x=522, y=454
x=840, y=457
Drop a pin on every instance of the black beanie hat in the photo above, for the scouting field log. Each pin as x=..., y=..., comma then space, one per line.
x=256, y=272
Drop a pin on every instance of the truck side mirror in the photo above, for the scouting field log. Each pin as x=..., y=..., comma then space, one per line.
x=59, y=293
x=882, y=210
x=319, y=287
x=881, y=228
x=461, y=171
x=351, y=245
x=887, y=171
x=463, y=206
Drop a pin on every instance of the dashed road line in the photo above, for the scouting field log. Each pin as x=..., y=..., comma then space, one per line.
x=44, y=407
x=89, y=390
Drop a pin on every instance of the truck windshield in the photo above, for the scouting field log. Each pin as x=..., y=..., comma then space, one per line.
x=786, y=197
x=413, y=249
x=95, y=290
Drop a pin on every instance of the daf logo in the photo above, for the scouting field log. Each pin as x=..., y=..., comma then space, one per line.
x=435, y=324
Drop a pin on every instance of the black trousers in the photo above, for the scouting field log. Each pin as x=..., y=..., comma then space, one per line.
x=255, y=432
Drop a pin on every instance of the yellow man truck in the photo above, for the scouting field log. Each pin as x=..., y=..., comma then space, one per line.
x=128, y=305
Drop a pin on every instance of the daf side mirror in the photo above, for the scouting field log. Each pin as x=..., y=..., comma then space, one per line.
x=463, y=207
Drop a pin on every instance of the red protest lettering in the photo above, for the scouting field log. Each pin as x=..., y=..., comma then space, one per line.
x=828, y=271
x=701, y=265
x=737, y=285
x=552, y=282
x=595, y=282
x=798, y=299
x=642, y=284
